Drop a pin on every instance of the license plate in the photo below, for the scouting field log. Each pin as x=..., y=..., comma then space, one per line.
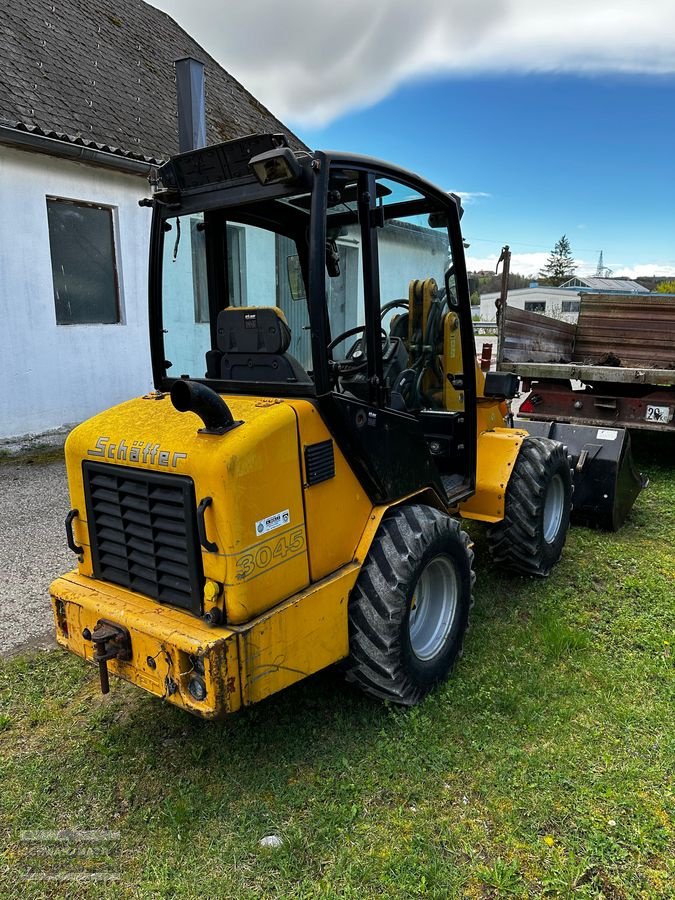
x=661, y=414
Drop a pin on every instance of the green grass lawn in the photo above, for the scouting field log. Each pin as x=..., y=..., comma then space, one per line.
x=544, y=767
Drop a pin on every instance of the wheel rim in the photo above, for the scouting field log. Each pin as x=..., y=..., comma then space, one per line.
x=434, y=607
x=554, y=506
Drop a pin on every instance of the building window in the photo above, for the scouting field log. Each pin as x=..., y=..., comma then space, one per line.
x=535, y=305
x=84, y=270
x=571, y=306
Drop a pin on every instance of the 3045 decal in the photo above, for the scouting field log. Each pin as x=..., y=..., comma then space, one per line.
x=276, y=550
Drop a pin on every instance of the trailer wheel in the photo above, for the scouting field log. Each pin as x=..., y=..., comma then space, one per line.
x=532, y=534
x=409, y=609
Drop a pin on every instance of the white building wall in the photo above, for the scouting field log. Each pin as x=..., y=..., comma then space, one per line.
x=405, y=257
x=552, y=298
x=59, y=374
x=261, y=267
x=185, y=339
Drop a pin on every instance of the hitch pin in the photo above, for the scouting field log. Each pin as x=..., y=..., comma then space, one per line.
x=110, y=642
x=102, y=671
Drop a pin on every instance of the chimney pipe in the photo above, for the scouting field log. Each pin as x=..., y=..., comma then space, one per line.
x=191, y=104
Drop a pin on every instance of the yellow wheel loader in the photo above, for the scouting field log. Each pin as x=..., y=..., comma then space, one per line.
x=290, y=494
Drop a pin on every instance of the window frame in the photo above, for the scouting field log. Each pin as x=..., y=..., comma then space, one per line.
x=536, y=306
x=113, y=211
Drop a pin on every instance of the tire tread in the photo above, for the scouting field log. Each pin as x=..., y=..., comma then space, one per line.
x=517, y=542
x=379, y=600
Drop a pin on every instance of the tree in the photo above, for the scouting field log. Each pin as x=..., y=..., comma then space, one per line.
x=665, y=287
x=560, y=265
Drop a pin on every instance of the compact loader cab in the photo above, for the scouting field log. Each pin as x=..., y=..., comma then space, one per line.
x=328, y=283
x=289, y=495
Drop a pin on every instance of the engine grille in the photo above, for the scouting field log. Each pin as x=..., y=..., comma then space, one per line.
x=142, y=528
x=319, y=462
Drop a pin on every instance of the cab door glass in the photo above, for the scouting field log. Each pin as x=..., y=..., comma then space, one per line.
x=418, y=299
x=344, y=266
x=252, y=266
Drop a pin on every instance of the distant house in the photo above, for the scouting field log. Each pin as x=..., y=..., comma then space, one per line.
x=87, y=110
x=560, y=303
x=605, y=285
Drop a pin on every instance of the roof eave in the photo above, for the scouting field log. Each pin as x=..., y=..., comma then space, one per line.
x=38, y=143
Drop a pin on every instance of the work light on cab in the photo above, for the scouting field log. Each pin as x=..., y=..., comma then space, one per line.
x=278, y=166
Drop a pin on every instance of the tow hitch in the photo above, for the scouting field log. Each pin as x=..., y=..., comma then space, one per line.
x=110, y=642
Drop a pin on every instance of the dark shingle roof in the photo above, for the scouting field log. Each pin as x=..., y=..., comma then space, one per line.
x=101, y=72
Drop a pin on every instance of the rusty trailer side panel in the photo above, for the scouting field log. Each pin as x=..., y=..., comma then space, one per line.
x=638, y=330
x=623, y=340
x=532, y=337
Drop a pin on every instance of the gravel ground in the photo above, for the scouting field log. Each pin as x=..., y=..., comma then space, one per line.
x=33, y=505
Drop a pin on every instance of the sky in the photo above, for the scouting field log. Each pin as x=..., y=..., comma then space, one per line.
x=549, y=119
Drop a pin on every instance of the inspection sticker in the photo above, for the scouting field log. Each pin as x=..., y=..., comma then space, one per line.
x=272, y=522
x=604, y=434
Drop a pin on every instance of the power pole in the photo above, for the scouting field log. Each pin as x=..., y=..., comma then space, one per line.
x=602, y=271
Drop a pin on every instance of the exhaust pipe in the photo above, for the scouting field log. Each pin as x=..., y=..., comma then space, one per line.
x=191, y=396
x=191, y=104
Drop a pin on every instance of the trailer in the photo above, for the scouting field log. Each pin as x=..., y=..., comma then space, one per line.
x=588, y=383
x=615, y=367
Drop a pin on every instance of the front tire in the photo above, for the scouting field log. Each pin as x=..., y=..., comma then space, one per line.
x=409, y=609
x=531, y=536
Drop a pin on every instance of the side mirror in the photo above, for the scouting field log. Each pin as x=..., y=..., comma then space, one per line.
x=449, y=285
x=332, y=258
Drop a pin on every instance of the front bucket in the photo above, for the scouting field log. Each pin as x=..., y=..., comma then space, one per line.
x=606, y=482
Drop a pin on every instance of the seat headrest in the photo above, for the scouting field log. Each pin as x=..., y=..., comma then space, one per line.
x=253, y=329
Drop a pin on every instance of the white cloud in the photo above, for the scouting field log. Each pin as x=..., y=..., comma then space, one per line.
x=470, y=196
x=643, y=269
x=532, y=263
x=521, y=263
x=310, y=62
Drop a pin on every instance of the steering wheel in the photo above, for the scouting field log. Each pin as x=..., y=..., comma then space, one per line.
x=393, y=304
x=351, y=366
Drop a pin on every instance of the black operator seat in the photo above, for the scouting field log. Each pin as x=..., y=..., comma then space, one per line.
x=252, y=346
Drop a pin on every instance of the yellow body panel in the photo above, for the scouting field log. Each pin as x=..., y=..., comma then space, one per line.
x=297, y=638
x=242, y=664
x=496, y=448
x=452, y=362
x=159, y=634
x=280, y=627
x=336, y=510
x=251, y=472
x=496, y=455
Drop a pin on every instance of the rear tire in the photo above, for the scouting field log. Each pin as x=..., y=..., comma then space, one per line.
x=409, y=609
x=531, y=536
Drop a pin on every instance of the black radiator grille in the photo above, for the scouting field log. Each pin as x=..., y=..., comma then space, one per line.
x=142, y=527
x=319, y=462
